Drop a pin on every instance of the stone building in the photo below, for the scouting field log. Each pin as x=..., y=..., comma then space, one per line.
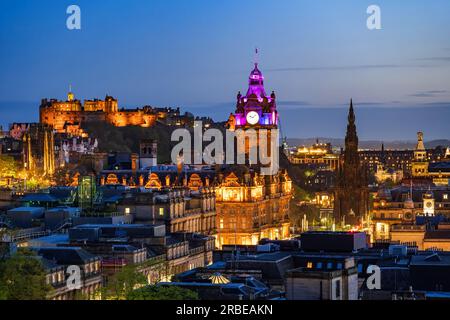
x=68, y=116
x=351, y=192
x=319, y=154
x=155, y=253
x=321, y=280
x=251, y=207
x=181, y=210
x=402, y=205
x=59, y=259
x=419, y=166
x=384, y=174
x=425, y=167
x=403, y=160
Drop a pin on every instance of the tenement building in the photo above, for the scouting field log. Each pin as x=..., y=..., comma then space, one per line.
x=404, y=204
x=180, y=209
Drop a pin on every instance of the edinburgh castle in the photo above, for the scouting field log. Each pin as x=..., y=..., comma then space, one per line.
x=68, y=116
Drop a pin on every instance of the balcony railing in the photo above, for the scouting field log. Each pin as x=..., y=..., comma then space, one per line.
x=26, y=234
x=193, y=211
x=407, y=227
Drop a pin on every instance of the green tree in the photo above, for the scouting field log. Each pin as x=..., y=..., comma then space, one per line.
x=121, y=284
x=301, y=194
x=297, y=211
x=8, y=167
x=22, y=277
x=162, y=293
x=127, y=138
x=61, y=176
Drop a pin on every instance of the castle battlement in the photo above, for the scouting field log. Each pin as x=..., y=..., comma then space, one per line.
x=68, y=116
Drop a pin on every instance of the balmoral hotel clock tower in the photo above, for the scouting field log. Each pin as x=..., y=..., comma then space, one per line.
x=251, y=206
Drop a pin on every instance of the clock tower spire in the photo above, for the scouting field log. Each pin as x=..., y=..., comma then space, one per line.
x=256, y=108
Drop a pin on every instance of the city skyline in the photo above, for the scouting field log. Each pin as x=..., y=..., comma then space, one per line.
x=316, y=56
x=242, y=154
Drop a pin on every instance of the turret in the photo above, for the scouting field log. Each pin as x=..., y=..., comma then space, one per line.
x=70, y=95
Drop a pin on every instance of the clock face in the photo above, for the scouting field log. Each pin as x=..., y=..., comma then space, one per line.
x=252, y=117
x=429, y=204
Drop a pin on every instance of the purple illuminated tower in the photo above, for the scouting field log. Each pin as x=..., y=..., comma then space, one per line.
x=255, y=109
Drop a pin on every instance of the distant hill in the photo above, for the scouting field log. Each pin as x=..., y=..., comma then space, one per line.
x=126, y=139
x=370, y=144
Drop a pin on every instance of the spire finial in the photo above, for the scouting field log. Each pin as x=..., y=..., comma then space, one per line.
x=256, y=56
x=351, y=112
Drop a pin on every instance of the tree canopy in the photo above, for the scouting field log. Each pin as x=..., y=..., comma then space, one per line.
x=22, y=277
x=121, y=284
x=126, y=139
x=8, y=167
x=162, y=293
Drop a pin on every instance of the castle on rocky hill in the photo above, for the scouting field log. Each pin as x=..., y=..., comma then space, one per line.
x=68, y=116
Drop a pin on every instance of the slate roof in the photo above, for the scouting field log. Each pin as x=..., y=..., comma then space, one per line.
x=431, y=259
x=443, y=166
x=400, y=194
x=41, y=197
x=438, y=234
x=66, y=255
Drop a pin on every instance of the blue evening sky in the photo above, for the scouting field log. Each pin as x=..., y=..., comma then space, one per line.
x=197, y=54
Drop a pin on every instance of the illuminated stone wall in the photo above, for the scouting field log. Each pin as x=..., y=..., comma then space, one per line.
x=252, y=209
x=67, y=116
x=138, y=117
